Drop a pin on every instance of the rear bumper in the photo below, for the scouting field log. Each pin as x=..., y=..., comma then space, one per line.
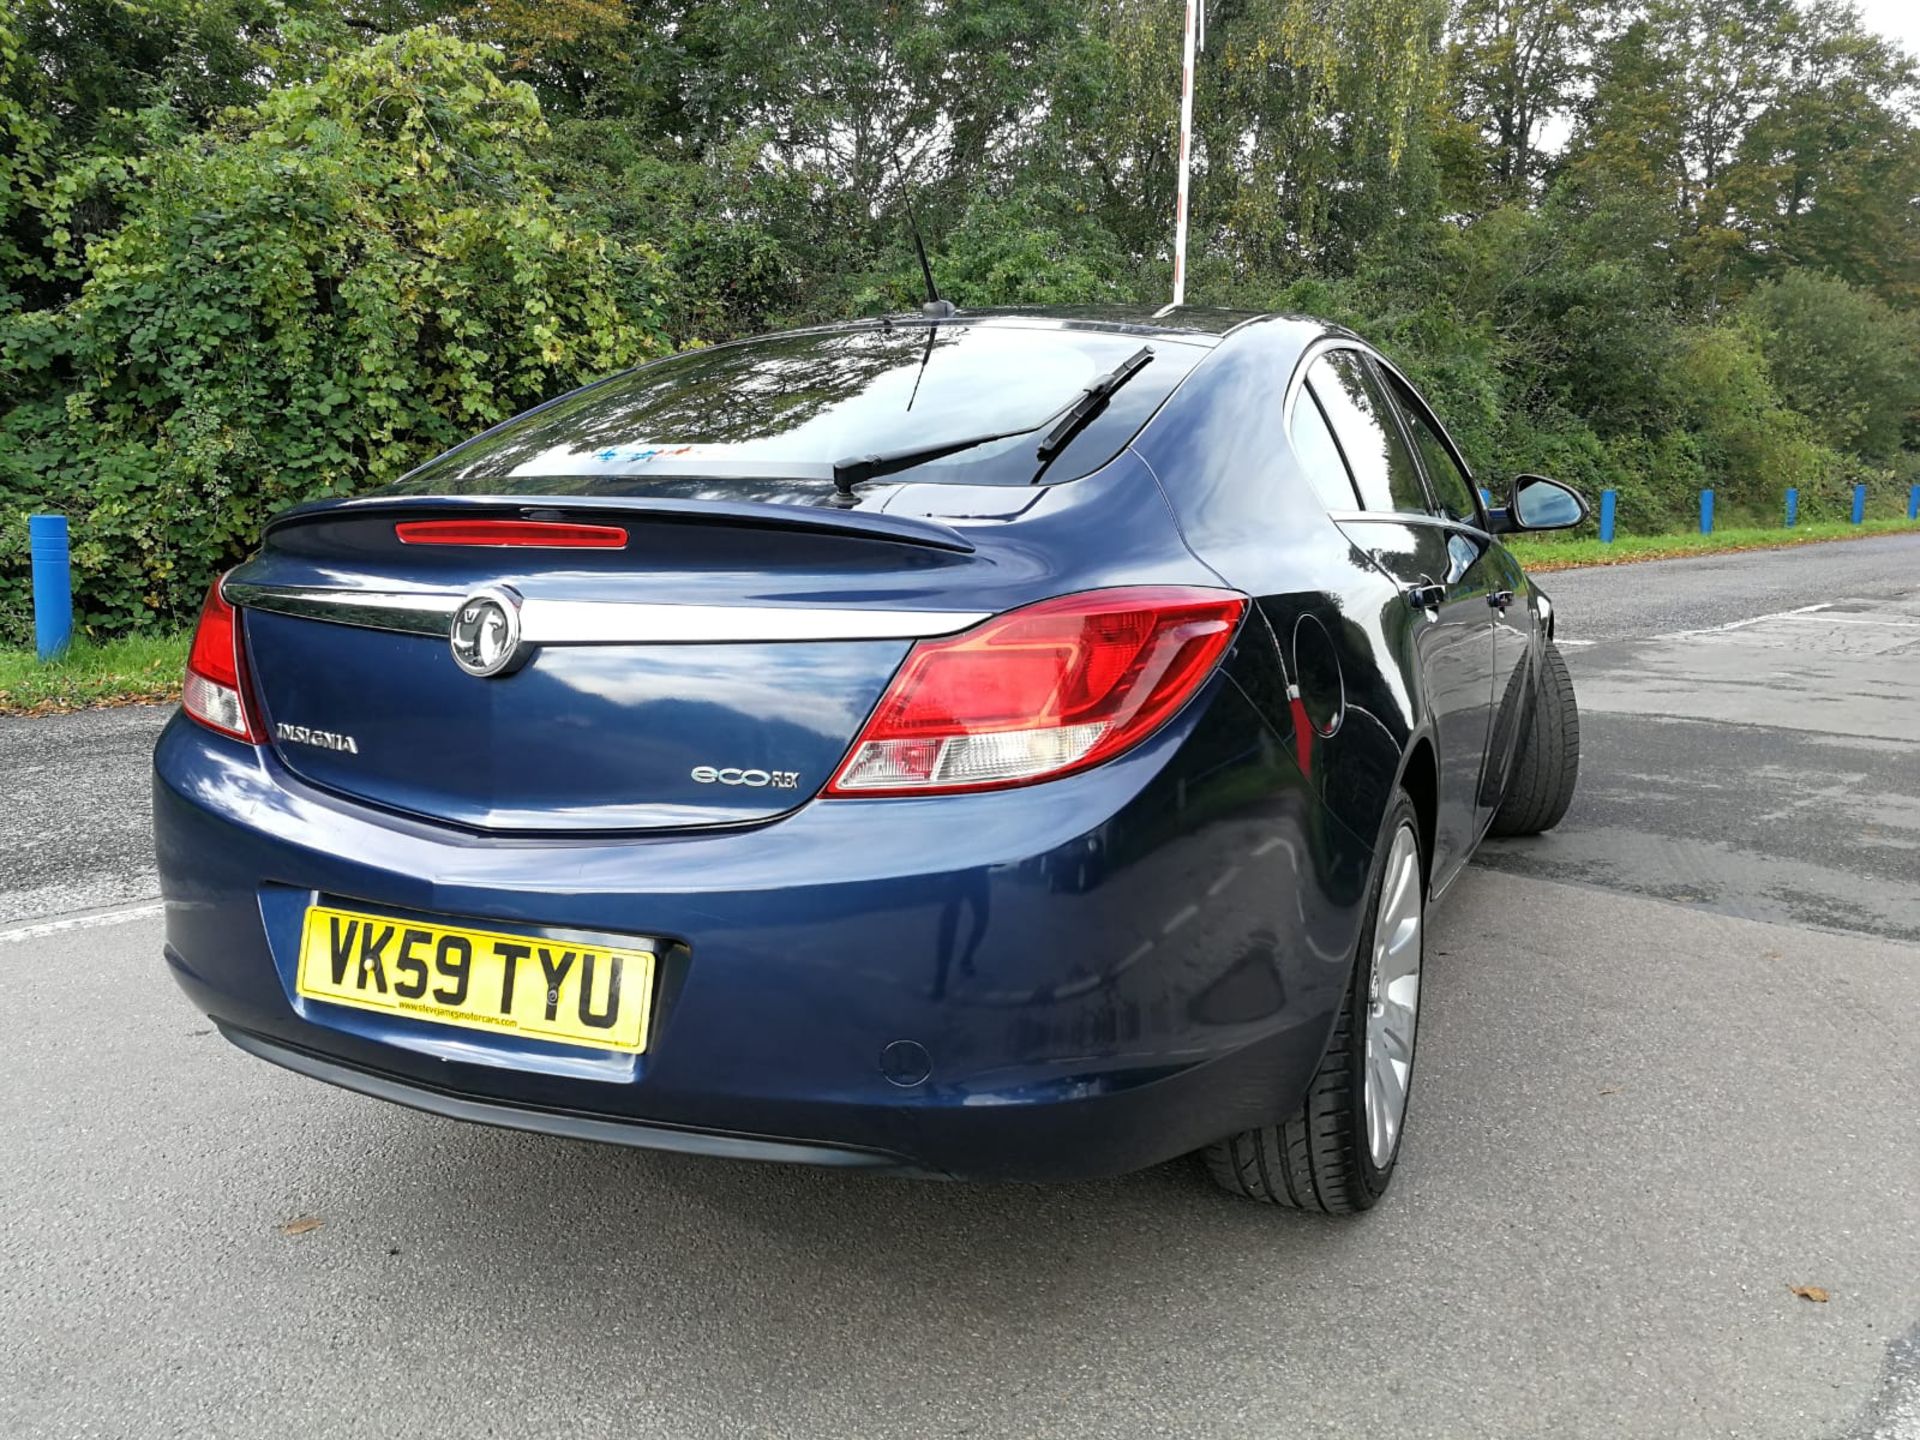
x=1104, y=972
x=570, y=1124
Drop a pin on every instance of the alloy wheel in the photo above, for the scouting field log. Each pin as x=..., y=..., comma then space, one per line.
x=1393, y=996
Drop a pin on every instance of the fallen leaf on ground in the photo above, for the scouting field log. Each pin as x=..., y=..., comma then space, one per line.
x=302, y=1224
x=1611, y=1090
x=1811, y=1292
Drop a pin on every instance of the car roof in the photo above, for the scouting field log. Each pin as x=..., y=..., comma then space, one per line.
x=1193, y=324
x=1201, y=325
x=1198, y=323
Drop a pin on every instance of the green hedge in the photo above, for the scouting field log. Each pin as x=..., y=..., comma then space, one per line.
x=308, y=299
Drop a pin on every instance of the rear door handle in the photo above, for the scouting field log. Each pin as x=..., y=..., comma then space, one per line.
x=1426, y=597
x=1500, y=599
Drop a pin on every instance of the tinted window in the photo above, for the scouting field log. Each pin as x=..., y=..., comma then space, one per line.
x=734, y=414
x=1313, y=446
x=1377, y=452
x=1451, y=488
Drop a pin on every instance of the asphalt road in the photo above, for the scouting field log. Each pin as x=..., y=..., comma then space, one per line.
x=1628, y=601
x=76, y=819
x=1670, y=1067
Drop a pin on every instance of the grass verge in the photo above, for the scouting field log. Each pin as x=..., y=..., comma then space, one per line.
x=1553, y=552
x=136, y=670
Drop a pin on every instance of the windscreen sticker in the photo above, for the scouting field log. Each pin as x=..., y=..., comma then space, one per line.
x=564, y=460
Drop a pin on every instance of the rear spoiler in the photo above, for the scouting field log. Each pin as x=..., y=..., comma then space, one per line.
x=766, y=515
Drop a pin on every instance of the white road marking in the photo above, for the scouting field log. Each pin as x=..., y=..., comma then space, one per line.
x=1227, y=878
x=1858, y=620
x=1181, y=917
x=81, y=922
x=1742, y=624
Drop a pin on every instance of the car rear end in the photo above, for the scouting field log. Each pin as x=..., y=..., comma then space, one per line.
x=715, y=812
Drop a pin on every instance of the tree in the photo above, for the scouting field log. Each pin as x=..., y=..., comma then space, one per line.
x=1827, y=174
x=1779, y=133
x=1310, y=124
x=1514, y=64
x=311, y=297
x=1842, y=357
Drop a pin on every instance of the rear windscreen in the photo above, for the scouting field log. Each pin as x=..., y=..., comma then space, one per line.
x=809, y=400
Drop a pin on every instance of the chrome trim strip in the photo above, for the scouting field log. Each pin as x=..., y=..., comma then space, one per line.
x=603, y=622
x=607, y=622
x=1407, y=517
x=410, y=612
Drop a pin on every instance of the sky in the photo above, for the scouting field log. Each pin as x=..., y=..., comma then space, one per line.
x=1896, y=19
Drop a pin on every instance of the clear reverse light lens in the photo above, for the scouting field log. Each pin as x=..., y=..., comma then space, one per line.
x=962, y=760
x=215, y=705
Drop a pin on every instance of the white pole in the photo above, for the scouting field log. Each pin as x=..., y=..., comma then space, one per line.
x=1186, y=151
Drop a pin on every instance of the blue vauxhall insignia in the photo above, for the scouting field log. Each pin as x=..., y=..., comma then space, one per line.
x=997, y=745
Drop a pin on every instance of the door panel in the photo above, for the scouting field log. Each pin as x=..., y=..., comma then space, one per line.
x=1453, y=640
x=1488, y=574
x=1454, y=649
x=1513, y=676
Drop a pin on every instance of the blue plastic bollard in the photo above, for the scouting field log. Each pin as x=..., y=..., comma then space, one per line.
x=1706, y=512
x=1913, y=503
x=52, y=585
x=1859, y=503
x=1793, y=505
x=1607, y=499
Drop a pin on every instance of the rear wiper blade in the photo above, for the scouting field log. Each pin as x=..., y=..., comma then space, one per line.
x=858, y=469
x=1091, y=402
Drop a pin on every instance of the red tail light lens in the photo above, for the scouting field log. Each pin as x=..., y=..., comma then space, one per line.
x=547, y=534
x=215, y=692
x=1041, y=691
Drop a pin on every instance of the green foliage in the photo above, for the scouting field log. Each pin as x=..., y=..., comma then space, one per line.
x=314, y=295
x=22, y=137
x=1514, y=62
x=1035, y=247
x=1843, y=358
x=253, y=251
x=717, y=225
x=1751, y=447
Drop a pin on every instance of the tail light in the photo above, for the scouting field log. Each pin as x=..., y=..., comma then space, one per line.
x=215, y=692
x=1040, y=692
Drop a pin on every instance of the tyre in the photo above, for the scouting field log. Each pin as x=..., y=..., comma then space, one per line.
x=1548, y=766
x=1336, y=1153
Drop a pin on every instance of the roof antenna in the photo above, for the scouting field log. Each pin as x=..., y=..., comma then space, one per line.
x=936, y=307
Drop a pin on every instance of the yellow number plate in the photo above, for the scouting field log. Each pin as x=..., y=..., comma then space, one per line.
x=506, y=984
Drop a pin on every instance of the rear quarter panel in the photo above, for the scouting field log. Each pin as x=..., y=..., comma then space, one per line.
x=1339, y=630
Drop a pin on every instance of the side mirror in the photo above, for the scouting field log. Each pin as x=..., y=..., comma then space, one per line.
x=1537, y=503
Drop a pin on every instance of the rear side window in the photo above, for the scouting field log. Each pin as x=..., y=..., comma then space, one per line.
x=1313, y=445
x=1452, y=491
x=1377, y=451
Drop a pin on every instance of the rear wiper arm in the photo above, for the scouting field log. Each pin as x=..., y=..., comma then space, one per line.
x=1091, y=402
x=858, y=469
